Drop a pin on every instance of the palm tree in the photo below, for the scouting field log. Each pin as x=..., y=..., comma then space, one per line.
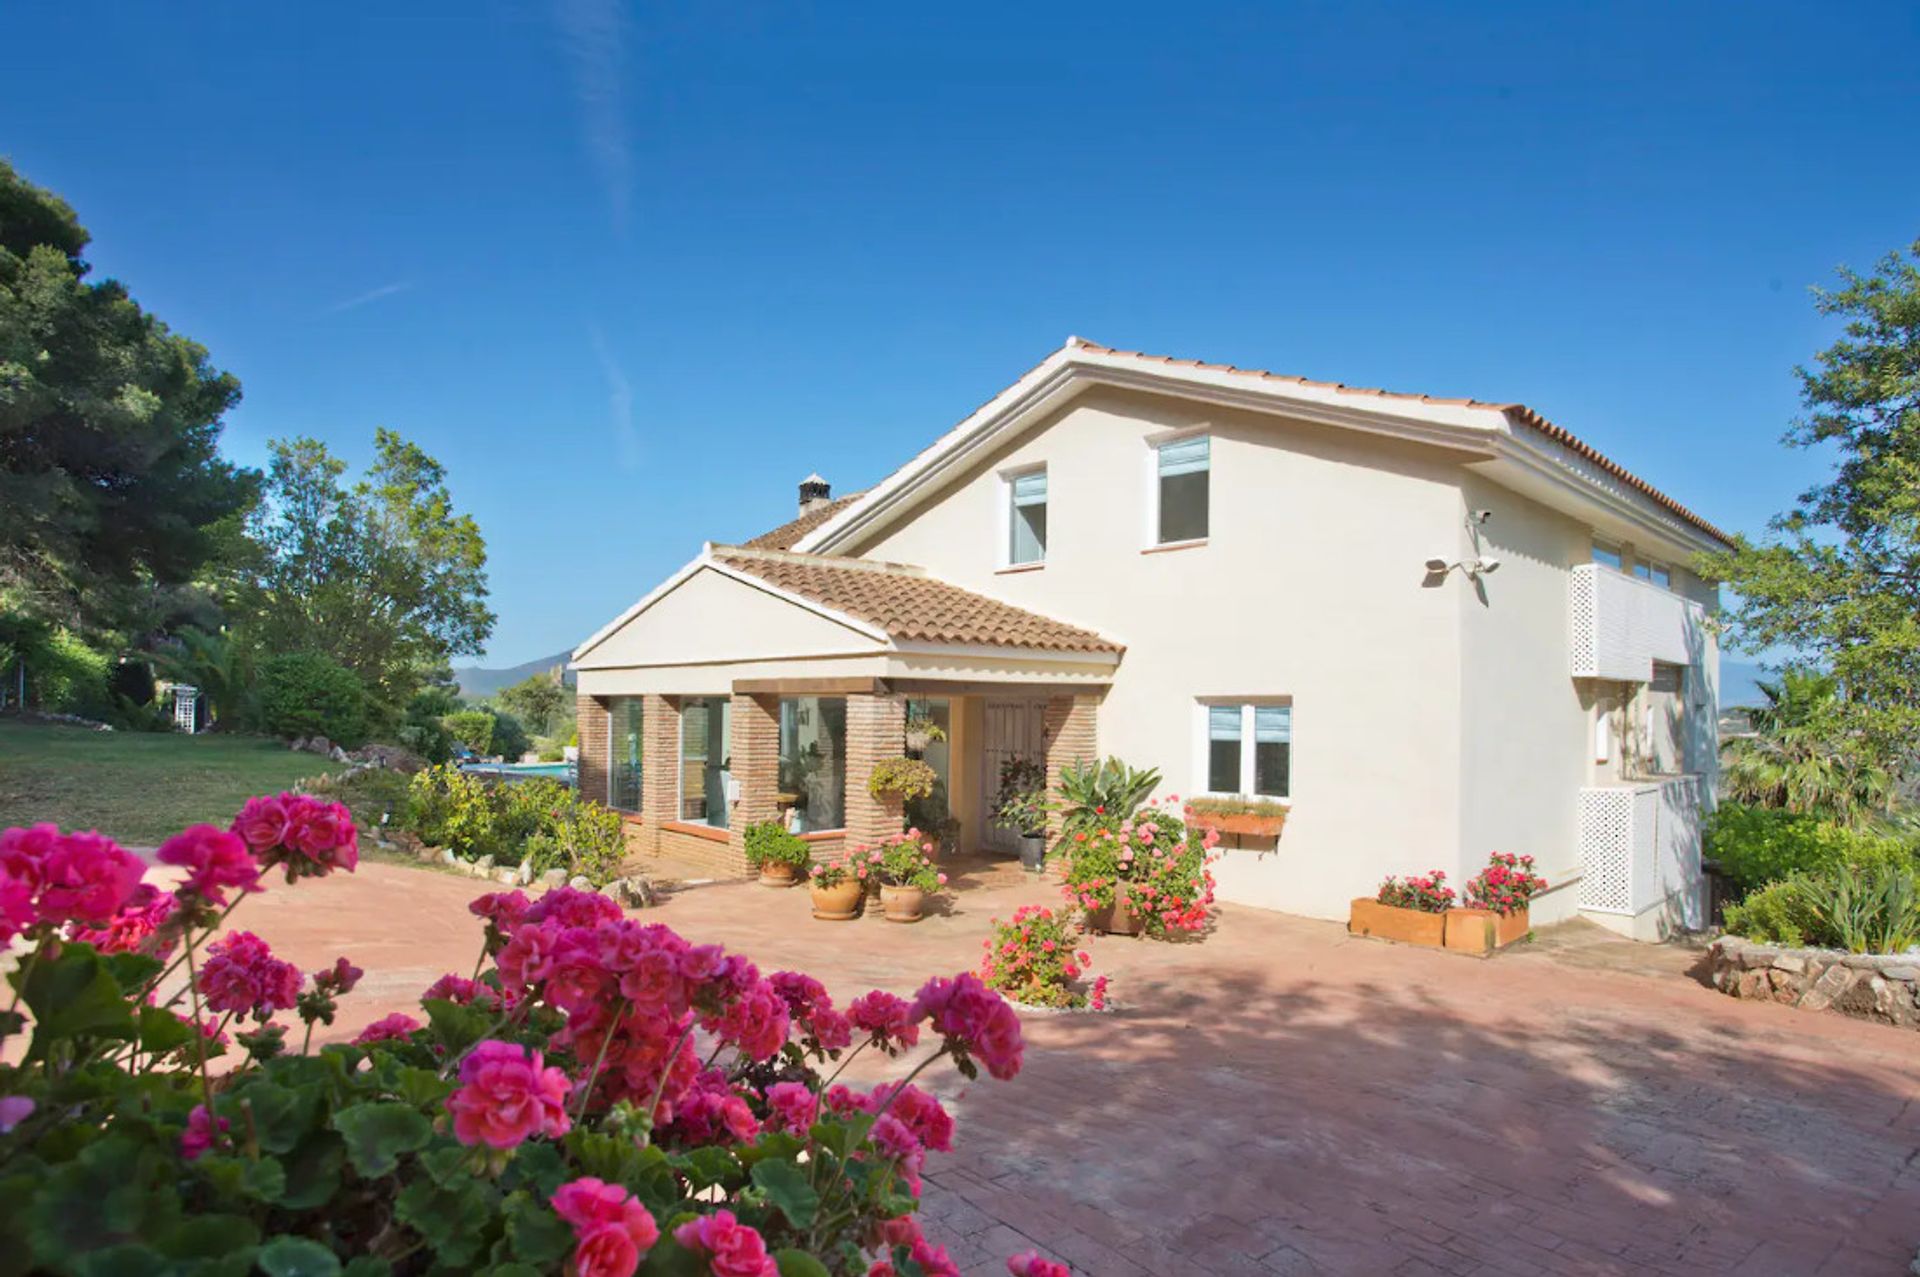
x=221, y=668
x=1799, y=757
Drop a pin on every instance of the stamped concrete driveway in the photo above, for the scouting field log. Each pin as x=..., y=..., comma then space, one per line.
x=1280, y=1098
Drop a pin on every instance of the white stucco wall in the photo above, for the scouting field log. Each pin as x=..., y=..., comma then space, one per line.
x=1310, y=586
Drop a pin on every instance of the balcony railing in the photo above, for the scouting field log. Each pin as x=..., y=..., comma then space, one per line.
x=1621, y=625
x=1640, y=843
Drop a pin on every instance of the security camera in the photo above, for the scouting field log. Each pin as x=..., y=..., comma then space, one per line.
x=1484, y=566
x=1438, y=565
x=1479, y=516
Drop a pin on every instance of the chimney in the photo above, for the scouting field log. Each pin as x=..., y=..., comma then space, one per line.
x=814, y=493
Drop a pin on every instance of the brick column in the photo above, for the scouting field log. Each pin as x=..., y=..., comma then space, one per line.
x=659, y=766
x=755, y=746
x=594, y=723
x=876, y=729
x=1072, y=731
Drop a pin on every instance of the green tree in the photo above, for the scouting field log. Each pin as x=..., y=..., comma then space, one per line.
x=539, y=701
x=110, y=480
x=473, y=728
x=509, y=737
x=309, y=694
x=1839, y=582
x=382, y=576
x=1802, y=756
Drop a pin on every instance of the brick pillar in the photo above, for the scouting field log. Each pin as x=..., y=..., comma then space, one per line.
x=1072, y=731
x=755, y=729
x=876, y=729
x=659, y=766
x=594, y=724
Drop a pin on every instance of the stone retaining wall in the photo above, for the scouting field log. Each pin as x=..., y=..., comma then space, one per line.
x=1865, y=986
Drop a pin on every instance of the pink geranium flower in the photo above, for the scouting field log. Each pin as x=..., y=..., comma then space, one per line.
x=214, y=860
x=1032, y=1264
x=80, y=877
x=794, y=1106
x=507, y=1095
x=391, y=1028
x=200, y=1132
x=731, y=1248
x=242, y=977
x=611, y=1229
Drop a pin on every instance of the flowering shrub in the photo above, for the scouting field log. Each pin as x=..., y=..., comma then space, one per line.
x=537, y=821
x=1505, y=885
x=1156, y=857
x=1033, y=960
x=602, y=1094
x=903, y=860
x=1428, y=893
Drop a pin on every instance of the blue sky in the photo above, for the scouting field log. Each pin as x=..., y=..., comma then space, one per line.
x=632, y=270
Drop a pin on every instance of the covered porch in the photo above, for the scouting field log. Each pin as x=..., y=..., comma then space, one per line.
x=763, y=685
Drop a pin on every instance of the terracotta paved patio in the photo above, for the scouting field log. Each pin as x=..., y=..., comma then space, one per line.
x=1283, y=1099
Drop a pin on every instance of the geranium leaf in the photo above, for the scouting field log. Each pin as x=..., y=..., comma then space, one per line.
x=536, y=1163
x=454, y=1026
x=367, y=1266
x=797, y=1263
x=130, y=1260
x=708, y=1166
x=539, y=1236
x=785, y=1185
x=313, y=1171
x=131, y=971
x=282, y=1117
x=71, y=995
x=446, y=1217
x=162, y=1031
x=263, y=1178
x=209, y=1237
x=378, y=1134
x=297, y=1257
x=668, y=1259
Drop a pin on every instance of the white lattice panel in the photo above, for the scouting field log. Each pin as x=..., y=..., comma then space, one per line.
x=1621, y=626
x=1606, y=850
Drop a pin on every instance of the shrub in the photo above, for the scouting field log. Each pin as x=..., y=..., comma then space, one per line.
x=1870, y=909
x=909, y=778
x=1754, y=846
x=472, y=728
x=1106, y=792
x=1033, y=960
x=1428, y=893
x=71, y=677
x=538, y=822
x=307, y=694
x=509, y=737
x=376, y=796
x=1505, y=885
x=769, y=843
x=554, y=1114
x=1160, y=859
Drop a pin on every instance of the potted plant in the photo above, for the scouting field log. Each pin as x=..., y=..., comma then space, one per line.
x=1409, y=910
x=895, y=782
x=1145, y=875
x=780, y=856
x=1495, y=914
x=1023, y=808
x=1034, y=961
x=1103, y=793
x=903, y=866
x=1244, y=818
x=921, y=732
x=837, y=892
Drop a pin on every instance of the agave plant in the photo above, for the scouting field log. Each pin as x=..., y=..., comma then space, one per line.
x=1108, y=790
x=1866, y=910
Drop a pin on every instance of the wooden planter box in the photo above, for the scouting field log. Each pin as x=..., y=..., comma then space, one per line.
x=1482, y=931
x=1242, y=824
x=1368, y=917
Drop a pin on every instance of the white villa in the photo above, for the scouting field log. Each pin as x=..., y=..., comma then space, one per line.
x=1434, y=628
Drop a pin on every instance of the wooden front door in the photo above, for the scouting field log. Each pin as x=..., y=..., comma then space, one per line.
x=1011, y=728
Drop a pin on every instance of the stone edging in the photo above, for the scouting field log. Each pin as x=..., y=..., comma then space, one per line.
x=1881, y=987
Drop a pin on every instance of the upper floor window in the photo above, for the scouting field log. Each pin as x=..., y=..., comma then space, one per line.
x=1248, y=749
x=1027, y=517
x=1655, y=573
x=1180, y=489
x=1608, y=556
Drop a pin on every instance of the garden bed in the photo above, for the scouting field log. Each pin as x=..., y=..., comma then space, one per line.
x=1880, y=987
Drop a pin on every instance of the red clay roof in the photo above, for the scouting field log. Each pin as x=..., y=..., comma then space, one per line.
x=1519, y=412
x=907, y=604
x=784, y=536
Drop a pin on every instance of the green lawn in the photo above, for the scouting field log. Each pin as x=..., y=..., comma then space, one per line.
x=137, y=787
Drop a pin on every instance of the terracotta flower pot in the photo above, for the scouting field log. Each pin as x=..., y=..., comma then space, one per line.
x=1482, y=931
x=902, y=904
x=840, y=903
x=1118, y=918
x=777, y=873
x=1368, y=917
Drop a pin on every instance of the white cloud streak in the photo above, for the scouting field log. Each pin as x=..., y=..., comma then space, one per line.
x=593, y=33
x=619, y=402
x=371, y=295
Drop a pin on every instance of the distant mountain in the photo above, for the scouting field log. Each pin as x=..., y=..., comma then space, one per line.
x=477, y=682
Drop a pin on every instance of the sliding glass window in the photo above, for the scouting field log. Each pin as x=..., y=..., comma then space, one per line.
x=704, y=741
x=813, y=760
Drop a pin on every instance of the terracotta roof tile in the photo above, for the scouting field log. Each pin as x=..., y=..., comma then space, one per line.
x=1518, y=412
x=784, y=536
x=909, y=605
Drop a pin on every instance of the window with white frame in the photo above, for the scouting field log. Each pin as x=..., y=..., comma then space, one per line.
x=1247, y=748
x=1654, y=573
x=1182, y=468
x=1027, y=517
x=1608, y=556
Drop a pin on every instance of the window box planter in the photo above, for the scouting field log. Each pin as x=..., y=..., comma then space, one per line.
x=1242, y=824
x=840, y=902
x=1368, y=917
x=1482, y=931
x=1118, y=918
